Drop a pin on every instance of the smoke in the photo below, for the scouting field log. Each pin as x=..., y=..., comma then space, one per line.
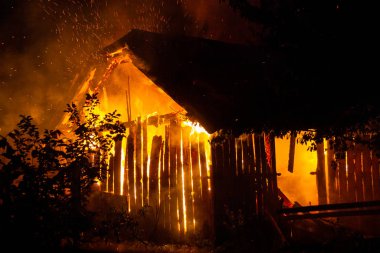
x=44, y=45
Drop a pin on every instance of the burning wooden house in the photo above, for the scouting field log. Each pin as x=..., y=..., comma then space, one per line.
x=177, y=94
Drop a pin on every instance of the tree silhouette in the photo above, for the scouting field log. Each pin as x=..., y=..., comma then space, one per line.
x=46, y=179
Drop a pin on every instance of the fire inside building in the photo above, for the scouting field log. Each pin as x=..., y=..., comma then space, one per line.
x=180, y=94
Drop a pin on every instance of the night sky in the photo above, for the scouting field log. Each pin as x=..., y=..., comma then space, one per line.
x=44, y=44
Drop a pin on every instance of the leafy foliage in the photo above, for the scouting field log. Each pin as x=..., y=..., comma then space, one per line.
x=46, y=179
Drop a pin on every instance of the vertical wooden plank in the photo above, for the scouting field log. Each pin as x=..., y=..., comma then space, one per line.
x=208, y=217
x=232, y=173
x=239, y=198
x=321, y=176
x=188, y=204
x=110, y=174
x=153, y=176
x=180, y=186
x=359, y=173
x=161, y=190
x=126, y=180
x=219, y=194
x=342, y=177
x=292, y=150
x=252, y=175
x=203, y=163
x=259, y=175
x=165, y=172
x=331, y=171
x=117, y=166
x=138, y=171
x=229, y=193
x=375, y=176
x=351, y=176
x=264, y=171
x=239, y=157
x=367, y=171
x=196, y=182
x=145, y=168
x=131, y=167
x=244, y=189
x=174, y=212
x=269, y=173
x=165, y=180
x=273, y=174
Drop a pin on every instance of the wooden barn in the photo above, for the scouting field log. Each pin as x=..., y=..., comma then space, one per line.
x=202, y=148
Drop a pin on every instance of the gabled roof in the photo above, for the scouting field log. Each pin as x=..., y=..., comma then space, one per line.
x=240, y=87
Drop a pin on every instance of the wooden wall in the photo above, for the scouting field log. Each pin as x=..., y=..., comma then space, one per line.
x=171, y=177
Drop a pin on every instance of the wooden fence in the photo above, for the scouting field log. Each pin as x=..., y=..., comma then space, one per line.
x=244, y=180
x=352, y=176
x=168, y=171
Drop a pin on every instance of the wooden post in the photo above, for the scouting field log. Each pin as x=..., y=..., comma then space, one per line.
x=273, y=174
x=145, y=168
x=252, y=176
x=331, y=171
x=139, y=196
x=165, y=181
x=243, y=191
x=165, y=172
x=292, y=149
x=117, y=166
x=264, y=171
x=321, y=176
x=269, y=173
x=259, y=175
